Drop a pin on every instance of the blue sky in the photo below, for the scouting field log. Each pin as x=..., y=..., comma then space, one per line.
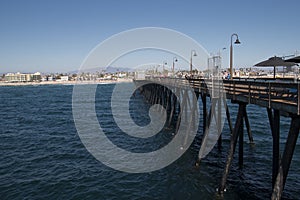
x=56, y=36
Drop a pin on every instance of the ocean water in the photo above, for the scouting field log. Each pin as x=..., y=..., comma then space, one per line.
x=42, y=156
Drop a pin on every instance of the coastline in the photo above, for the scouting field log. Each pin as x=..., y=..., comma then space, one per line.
x=65, y=82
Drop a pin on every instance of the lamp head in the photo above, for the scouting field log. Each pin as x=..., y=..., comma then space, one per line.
x=194, y=53
x=175, y=60
x=237, y=41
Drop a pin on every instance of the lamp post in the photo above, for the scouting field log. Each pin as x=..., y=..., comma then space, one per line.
x=164, y=63
x=193, y=53
x=173, y=66
x=220, y=55
x=156, y=69
x=231, y=52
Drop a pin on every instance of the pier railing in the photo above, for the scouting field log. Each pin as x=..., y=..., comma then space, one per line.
x=283, y=96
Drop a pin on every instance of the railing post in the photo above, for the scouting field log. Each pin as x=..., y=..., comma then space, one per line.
x=234, y=90
x=298, y=99
x=249, y=87
x=269, y=95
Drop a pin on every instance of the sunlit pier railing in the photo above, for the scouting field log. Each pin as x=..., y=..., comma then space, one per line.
x=283, y=96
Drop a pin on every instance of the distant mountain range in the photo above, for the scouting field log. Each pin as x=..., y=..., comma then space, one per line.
x=108, y=69
x=111, y=69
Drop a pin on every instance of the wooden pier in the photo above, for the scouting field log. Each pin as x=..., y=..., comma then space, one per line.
x=278, y=97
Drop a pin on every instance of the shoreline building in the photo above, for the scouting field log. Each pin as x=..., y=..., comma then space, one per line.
x=20, y=77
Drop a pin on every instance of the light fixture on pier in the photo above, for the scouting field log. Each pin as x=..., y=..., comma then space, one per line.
x=237, y=41
x=163, y=65
x=193, y=53
x=173, y=66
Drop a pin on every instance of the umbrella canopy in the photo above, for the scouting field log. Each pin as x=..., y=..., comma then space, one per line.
x=295, y=59
x=275, y=62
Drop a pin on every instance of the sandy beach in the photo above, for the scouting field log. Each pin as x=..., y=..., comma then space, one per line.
x=64, y=82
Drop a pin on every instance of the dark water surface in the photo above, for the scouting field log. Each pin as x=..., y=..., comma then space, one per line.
x=42, y=157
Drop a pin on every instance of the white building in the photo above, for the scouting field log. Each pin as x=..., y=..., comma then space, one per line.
x=64, y=78
x=19, y=77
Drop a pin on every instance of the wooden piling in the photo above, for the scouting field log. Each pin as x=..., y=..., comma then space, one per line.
x=286, y=157
x=248, y=126
x=205, y=135
x=204, y=108
x=233, y=141
x=241, y=143
x=219, y=126
x=290, y=146
x=173, y=109
x=228, y=116
x=274, y=120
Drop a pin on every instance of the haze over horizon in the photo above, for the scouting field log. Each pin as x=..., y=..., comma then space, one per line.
x=56, y=36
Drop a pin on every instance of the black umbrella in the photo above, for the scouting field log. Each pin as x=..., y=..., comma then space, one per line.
x=295, y=59
x=275, y=62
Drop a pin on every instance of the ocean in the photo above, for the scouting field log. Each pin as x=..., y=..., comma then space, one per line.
x=42, y=156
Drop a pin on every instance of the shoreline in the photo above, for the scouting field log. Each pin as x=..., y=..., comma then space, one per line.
x=65, y=82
